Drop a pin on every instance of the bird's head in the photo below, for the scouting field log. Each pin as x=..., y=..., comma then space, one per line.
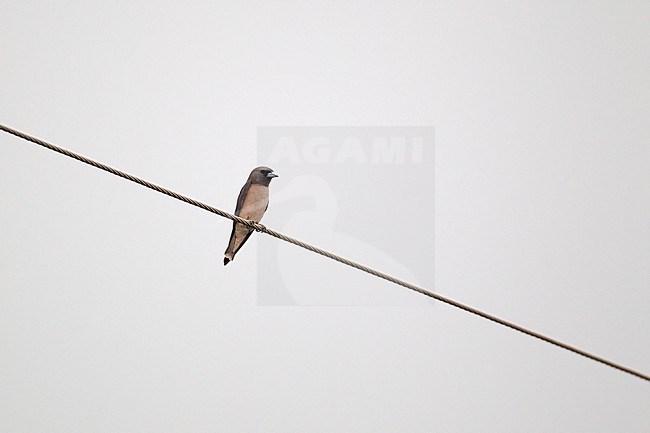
x=262, y=175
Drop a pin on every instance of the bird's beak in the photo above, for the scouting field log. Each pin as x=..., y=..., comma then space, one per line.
x=271, y=175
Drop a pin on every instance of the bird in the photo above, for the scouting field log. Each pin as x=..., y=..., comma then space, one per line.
x=252, y=202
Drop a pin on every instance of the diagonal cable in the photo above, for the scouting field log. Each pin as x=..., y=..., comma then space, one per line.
x=260, y=228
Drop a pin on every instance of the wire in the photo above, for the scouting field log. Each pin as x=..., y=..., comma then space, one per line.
x=260, y=228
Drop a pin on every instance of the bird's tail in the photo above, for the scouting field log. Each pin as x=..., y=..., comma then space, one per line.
x=227, y=258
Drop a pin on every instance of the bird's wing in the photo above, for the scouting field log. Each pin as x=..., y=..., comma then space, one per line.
x=239, y=231
x=242, y=197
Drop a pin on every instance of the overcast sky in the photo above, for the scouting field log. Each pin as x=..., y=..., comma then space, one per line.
x=116, y=313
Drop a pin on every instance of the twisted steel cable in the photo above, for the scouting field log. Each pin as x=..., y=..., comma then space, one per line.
x=261, y=228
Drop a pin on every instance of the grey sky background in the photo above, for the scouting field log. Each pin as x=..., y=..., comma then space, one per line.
x=116, y=313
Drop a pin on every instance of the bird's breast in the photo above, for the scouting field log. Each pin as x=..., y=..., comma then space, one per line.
x=255, y=203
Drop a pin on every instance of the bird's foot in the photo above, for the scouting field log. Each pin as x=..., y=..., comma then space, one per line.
x=259, y=227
